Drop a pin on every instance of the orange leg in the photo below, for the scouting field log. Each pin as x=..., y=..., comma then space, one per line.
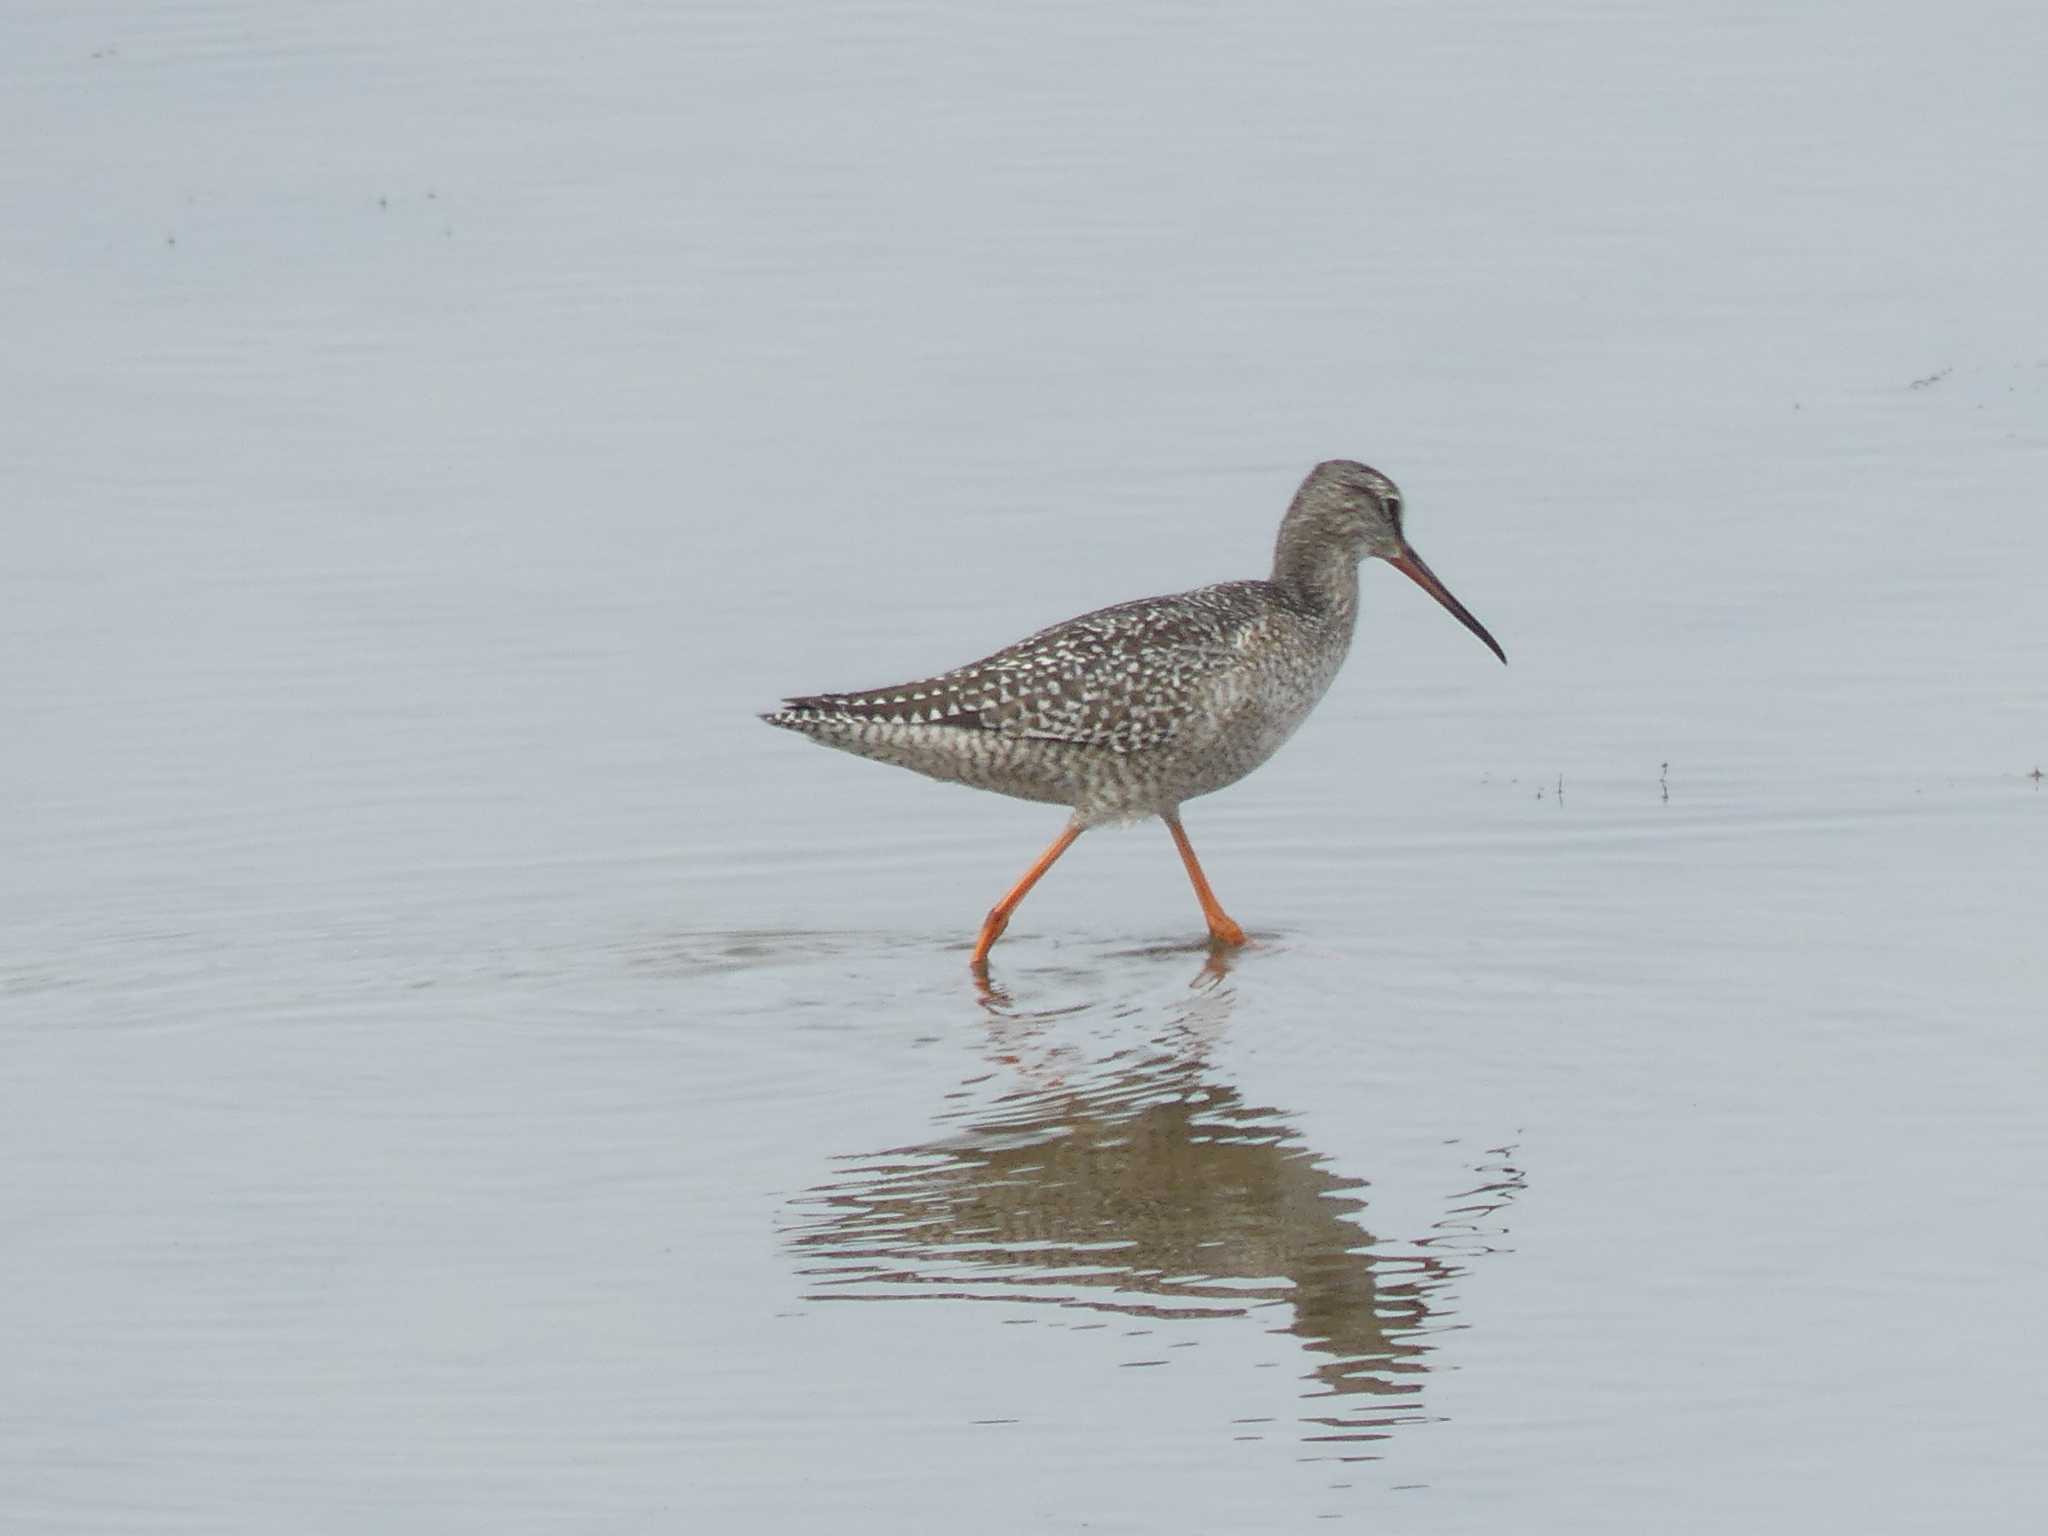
x=1221, y=928
x=999, y=915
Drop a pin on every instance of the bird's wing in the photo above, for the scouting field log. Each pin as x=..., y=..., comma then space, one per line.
x=1121, y=678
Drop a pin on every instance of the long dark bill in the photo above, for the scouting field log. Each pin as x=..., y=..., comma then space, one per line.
x=1409, y=564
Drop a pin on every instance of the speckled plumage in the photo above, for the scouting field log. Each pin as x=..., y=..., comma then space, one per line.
x=1130, y=710
x=1124, y=712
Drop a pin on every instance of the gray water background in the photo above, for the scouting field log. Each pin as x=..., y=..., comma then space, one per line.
x=460, y=1072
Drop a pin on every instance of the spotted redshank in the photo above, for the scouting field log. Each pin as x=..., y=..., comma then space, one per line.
x=1129, y=711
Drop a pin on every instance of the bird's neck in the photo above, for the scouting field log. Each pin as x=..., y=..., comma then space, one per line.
x=1319, y=575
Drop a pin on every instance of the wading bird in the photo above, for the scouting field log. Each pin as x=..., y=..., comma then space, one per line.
x=1130, y=711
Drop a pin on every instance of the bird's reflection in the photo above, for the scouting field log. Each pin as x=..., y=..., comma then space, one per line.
x=1145, y=1185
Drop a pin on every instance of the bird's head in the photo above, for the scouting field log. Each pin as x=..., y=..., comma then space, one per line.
x=1356, y=509
x=1353, y=506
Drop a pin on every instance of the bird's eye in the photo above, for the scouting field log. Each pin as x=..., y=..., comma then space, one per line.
x=1394, y=508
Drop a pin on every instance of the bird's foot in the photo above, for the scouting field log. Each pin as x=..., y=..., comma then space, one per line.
x=992, y=997
x=991, y=929
x=1224, y=930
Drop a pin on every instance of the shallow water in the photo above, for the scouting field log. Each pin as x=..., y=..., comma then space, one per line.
x=462, y=1071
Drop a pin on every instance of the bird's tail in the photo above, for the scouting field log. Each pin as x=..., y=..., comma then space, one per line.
x=812, y=712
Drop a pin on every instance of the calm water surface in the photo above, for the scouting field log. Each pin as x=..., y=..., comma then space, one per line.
x=459, y=1071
